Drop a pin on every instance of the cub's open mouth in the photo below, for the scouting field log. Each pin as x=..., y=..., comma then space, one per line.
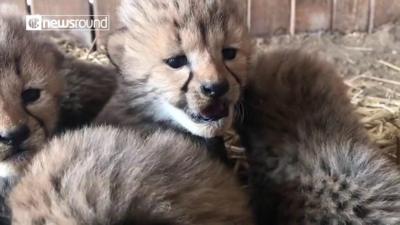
x=212, y=113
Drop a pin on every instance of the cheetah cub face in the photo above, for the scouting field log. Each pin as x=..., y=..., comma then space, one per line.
x=29, y=94
x=189, y=57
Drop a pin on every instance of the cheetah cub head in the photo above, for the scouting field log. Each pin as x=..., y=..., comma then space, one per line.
x=189, y=57
x=29, y=94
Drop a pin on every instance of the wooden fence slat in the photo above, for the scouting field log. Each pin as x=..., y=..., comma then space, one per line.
x=106, y=7
x=65, y=7
x=386, y=11
x=351, y=15
x=60, y=7
x=247, y=11
x=313, y=15
x=21, y=4
x=265, y=17
x=269, y=17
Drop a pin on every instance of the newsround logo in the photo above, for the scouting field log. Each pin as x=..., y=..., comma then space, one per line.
x=67, y=22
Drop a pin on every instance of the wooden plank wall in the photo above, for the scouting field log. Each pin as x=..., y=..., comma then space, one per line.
x=21, y=4
x=386, y=11
x=106, y=7
x=269, y=17
x=265, y=17
x=350, y=15
x=65, y=7
x=312, y=15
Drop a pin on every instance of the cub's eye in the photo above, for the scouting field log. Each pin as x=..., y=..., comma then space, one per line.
x=229, y=53
x=30, y=95
x=177, y=61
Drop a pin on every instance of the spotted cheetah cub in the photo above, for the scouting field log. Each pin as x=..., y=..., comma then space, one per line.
x=183, y=64
x=310, y=159
x=38, y=85
x=30, y=93
x=36, y=80
x=106, y=175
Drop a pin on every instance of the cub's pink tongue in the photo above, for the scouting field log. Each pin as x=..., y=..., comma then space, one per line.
x=215, y=111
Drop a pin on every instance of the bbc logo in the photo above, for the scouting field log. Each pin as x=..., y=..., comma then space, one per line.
x=33, y=22
x=67, y=22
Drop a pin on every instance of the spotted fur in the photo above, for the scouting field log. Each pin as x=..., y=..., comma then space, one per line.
x=107, y=175
x=311, y=161
x=74, y=90
x=69, y=88
x=26, y=62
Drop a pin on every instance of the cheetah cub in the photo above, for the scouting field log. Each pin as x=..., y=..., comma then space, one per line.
x=41, y=91
x=311, y=161
x=36, y=82
x=106, y=175
x=30, y=93
x=183, y=64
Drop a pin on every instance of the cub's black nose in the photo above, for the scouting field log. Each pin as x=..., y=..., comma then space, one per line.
x=215, y=90
x=16, y=136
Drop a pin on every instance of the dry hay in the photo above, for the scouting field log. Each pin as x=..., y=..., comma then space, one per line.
x=379, y=110
x=86, y=54
x=377, y=101
x=380, y=116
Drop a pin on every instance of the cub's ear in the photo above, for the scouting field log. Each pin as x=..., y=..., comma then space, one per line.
x=51, y=52
x=116, y=46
